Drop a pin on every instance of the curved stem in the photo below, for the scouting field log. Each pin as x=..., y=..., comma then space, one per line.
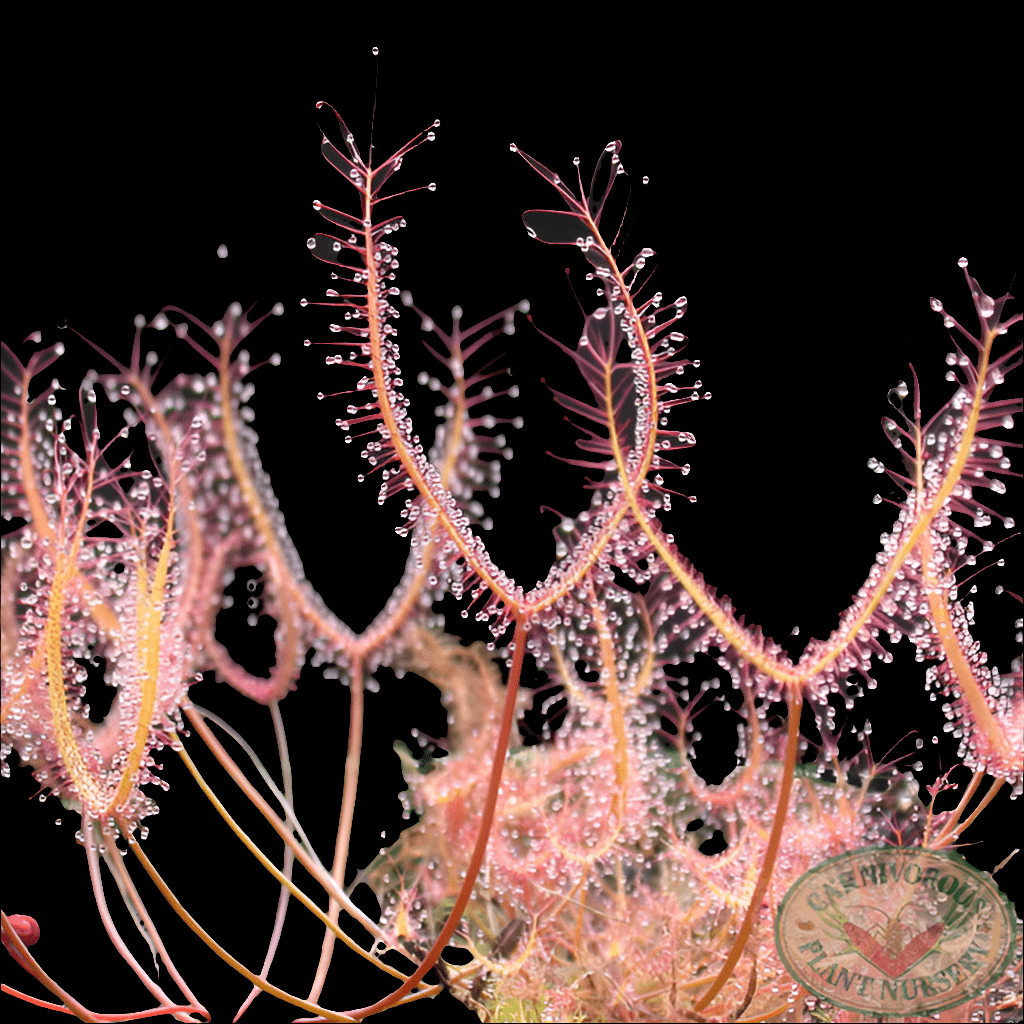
x=289, y=858
x=954, y=829
x=917, y=536
x=959, y=662
x=433, y=488
x=116, y=863
x=29, y=962
x=157, y=1011
x=348, y=806
x=482, y=838
x=278, y=875
x=282, y=828
x=90, y=827
x=795, y=704
x=196, y=927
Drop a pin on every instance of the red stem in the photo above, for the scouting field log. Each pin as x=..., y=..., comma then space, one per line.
x=754, y=908
x=475, y=862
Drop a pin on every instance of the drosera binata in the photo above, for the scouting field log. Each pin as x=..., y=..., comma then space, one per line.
x=564, y=839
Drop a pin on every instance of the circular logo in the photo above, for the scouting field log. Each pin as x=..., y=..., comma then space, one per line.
x=891, y=930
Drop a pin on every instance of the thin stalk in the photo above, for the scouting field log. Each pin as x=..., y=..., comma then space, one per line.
x=289, y=858
x=90, y=827
x=157, y=1011
x=302, y=855
x=116, y=862
x=483, y=835
x=196, y=927
x=269, y=866
x=291, y=819
x=30, y=964
x=795, y=704
x=972, y=788
x=348, y=806
x=953, y=831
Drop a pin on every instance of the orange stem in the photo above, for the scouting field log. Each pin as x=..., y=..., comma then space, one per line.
x=348, y=807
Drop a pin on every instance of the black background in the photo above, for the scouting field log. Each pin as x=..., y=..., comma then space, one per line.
x=808, y=208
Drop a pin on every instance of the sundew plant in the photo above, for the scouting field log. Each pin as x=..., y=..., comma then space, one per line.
x=569, y=853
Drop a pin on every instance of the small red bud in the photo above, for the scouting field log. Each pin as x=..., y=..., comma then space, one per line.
x=25, y=927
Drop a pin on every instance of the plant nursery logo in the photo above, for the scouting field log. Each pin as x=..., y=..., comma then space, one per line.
x=889, y=930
